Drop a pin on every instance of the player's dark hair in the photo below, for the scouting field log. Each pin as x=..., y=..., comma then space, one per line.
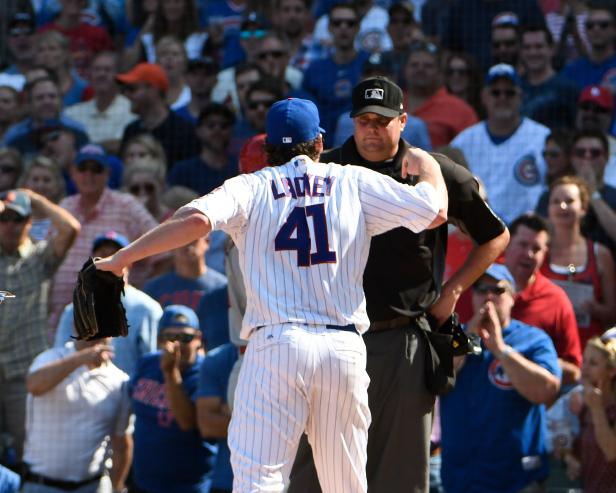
x=591, y=133
x=531, y=221
x=278, y=155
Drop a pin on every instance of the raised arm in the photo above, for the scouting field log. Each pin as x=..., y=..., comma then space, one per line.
x=183, y=228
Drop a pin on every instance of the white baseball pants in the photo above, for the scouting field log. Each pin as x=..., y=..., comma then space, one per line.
x=297, y=378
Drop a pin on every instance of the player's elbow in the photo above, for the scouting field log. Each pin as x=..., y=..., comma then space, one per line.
x=197, y=224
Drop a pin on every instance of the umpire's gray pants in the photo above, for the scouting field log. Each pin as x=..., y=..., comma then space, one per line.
x=401, y=407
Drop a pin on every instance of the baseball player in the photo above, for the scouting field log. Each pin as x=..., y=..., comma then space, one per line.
x=303, y=231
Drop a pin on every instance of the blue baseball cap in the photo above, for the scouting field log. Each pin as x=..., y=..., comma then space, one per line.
x=178, y=316
x=500, y=272
x=92, y=152
x=18, y=202
x=111, y=236
x=502, y=71
x=292, y=121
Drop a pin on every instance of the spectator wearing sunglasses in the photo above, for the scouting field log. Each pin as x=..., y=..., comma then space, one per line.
x=10, y=168
x=493, y=422
x=215, y=163
x=594, y=457
x=596, y=67
x=169, y=452
x=99, y=209
x=273, y=56
x=505, y=39
x=20, y=42
x=504, y=150
x=145, y=180
x=201, y=79
x=427, y=98
x=26, y=269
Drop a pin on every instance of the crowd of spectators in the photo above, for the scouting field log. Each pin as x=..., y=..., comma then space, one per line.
x=114, y=113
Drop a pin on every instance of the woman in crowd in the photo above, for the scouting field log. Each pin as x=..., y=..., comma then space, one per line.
x=145, y=180
x=140, y=147
x=171, y=56
x=585, y=269
x=556, y=156
x=594, y=458
x=175, y=18
x=43, y=176
x=10, y=108
x=53, y=53
x=462, y=79
x=10, y=168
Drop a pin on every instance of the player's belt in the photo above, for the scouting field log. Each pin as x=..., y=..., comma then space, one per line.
x=346, y=328
x=32, y=477
x=394, y=323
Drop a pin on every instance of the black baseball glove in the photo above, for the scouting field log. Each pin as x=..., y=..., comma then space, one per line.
x=97, y=305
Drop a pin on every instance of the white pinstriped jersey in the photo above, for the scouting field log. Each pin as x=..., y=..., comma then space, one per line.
x=303, y=230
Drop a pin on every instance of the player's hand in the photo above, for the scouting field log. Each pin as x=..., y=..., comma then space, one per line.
x=413, y=159
x=170, y=357
x=95, y=356
x=111, y=264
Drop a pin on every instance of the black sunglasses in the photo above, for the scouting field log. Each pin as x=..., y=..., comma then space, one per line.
x=182, y=337
x=483, y=288
x=584, y=151
x=600, y=24
x=7, y=169
x=220, y=125
x=551, y=153
x=276, y=54
x=13, y=218
x=457, y=71
x=341, y=22
x=506, y=43
x=253, y=105
x=595, y=108
x=138, y=187
x=508, y=93
x=95, y=168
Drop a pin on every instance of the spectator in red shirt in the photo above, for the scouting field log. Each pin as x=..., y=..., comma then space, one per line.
x=539, y=301
x=427, y=98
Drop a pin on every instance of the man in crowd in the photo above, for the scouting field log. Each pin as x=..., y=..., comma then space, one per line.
x=445, y=114
x=505, y=39
x=400, y=404
x=45, y=102
x=293, y=18
x=493, y=422
x=403, y=31
x=169, y=452
x=201, y=79
x=20, y=41
x=146, y=86
x=548, y=98
x=504, y=150
x=78, y=410
x=99, y=209
x=108, y=113
x=26, y=270
x=142, y=314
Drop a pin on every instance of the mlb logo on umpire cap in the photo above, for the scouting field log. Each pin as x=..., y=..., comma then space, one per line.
x=377, y=95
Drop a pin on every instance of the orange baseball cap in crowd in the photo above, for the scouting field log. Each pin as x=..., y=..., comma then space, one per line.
x=148, y=73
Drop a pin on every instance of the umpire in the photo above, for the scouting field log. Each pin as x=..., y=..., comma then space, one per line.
x=401, y=406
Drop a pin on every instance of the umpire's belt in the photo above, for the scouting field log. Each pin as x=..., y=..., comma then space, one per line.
x=394, y=323
x=346, y=328
x=32, y=477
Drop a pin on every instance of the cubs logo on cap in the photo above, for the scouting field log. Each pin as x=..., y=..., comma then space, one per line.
x=377, y=95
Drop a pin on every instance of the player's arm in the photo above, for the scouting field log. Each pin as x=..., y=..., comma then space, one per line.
x=420, y=163
x=213, y=417
x=184, y=227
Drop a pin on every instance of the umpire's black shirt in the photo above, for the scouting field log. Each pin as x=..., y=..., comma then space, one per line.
x=405, y=269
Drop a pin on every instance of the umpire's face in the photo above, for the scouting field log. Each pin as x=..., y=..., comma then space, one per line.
x=377, y=136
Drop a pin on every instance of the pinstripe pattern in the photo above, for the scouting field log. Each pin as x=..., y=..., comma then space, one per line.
x=297, y=375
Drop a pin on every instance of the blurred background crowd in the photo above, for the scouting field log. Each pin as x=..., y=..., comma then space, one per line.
x=115, y=113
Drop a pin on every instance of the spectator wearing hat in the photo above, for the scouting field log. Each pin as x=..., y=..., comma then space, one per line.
x=26, y=269
x=99, y=209
x=77, y=414
x=595, y=111
x=241, y=46
x=505, y=39
x=468, y=25
x=415, y=131
x=493, y=422
x=169, y=452
x=146, y=87
x=201, y=79
x=215, y=163
x=427, y=98
x=108, y=113
x=85, y=40
x=548, y=97
x=596, y=67
x=20, y=42
x=504, y=150
x=330, y=80
x=142, y=314
x=45, y=103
